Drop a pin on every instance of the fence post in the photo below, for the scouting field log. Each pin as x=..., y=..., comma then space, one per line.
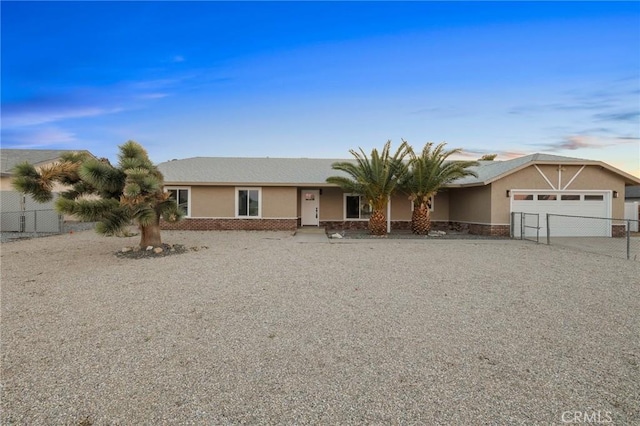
x=513, y=221
x=548, y=230
x=628, y=239
x=35, y=221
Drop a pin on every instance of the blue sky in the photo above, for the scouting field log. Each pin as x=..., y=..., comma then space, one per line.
x=314, y=79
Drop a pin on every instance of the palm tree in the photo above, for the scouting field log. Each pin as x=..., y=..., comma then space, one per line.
x=374, y=178
x=428, y=172
x=110, y=196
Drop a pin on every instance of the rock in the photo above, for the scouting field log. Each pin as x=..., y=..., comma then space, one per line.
x=158, y=250
x=437, y=233
x=126, y=249
x=149, y=248
x=336, y=235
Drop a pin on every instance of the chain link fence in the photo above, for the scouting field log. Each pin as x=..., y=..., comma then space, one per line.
x=36, y=223
x=608, y=236
x=525, y=226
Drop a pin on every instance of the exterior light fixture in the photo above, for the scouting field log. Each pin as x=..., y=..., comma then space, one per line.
x=615, y=194
x=508, y=193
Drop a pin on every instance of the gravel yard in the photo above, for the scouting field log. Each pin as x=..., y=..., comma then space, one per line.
x=257, y=328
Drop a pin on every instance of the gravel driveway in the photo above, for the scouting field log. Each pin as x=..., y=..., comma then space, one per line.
x=257, y=328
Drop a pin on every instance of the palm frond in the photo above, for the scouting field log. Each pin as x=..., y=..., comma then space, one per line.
x=348, y=185
x=431, y=170
x=375, y=176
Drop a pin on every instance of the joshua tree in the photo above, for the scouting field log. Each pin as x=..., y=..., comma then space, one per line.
x=111, y=196
x=428, y=172
x=374, y=178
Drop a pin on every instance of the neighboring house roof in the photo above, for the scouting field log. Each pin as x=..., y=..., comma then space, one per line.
x=9, y=158
x=315, y=171
x=632, y=192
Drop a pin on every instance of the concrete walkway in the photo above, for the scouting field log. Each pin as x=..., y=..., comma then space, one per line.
x=311, y=235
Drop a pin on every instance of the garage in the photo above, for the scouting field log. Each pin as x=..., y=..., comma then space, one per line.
x=587, y=204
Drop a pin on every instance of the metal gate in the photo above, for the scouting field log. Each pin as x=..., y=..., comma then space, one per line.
x=525, y=226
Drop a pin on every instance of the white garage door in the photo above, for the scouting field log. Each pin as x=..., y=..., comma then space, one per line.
x=587, y=204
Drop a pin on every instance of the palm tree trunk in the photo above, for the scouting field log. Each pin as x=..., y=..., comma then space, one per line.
x=150, y=235
x=421, y=220
x=378, y=223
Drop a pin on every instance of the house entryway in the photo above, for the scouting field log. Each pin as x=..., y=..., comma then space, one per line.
x=310, y=207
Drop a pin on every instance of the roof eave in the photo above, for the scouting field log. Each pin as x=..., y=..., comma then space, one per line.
x=285, y=184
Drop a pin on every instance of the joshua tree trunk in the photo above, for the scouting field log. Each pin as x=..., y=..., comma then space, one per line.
x=378, y=223
x=150, y=235
x=421, y=220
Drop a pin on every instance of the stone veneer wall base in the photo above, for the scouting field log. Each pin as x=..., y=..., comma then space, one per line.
x=206, y=224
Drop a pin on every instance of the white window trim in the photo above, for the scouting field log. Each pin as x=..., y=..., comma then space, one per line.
x=247, y=188
x=431, y=209
x=344, y=208
x=188, y=188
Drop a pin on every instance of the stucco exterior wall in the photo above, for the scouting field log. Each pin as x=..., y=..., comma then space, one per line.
x=470, y=205
x=331, y=204
x=212, y=201
x=5, y=183
x=596, y=177
x=400, y=207
x=279, y=202
x=220, y=202
x=441, y=206
x=590, y=178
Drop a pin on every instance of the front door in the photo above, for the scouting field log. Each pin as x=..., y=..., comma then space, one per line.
x=310, y=215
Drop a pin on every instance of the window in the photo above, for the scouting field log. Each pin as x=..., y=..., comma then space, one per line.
x=181, y=196
x=593, y=197
x=547, y=197
x=523, y=197
x=570, y=197
x=248, y=202
x=356, y=207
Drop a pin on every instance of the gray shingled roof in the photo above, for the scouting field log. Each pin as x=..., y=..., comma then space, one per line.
x=233, y=170
x=9, y=158
x=315, y=171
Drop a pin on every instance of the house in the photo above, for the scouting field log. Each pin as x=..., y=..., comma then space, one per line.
x=286, y=193
x=19, y=211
